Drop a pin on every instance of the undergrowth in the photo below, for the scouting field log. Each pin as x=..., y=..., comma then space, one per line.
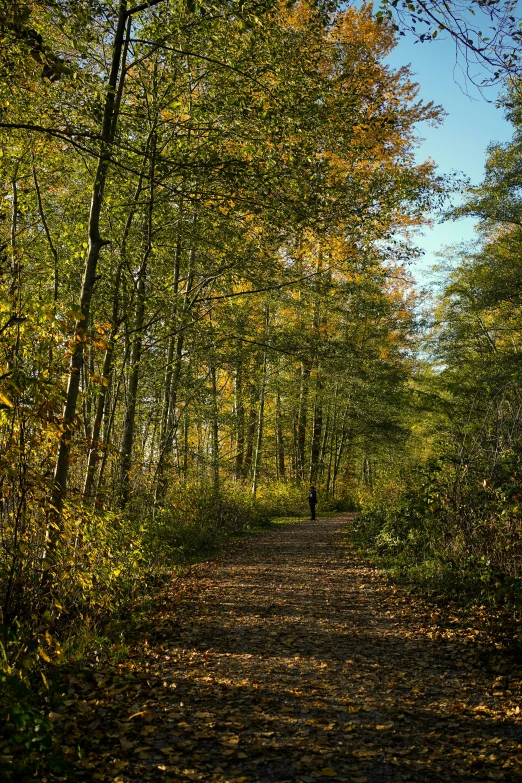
x=105, y=575
x=445, y=531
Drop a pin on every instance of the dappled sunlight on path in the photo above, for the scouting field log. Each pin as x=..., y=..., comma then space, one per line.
x=291, y=661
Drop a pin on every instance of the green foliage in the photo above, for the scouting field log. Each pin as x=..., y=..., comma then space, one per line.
x=454, y=521
x=117, y=562
x=442, y=529
x=347, y=500
x=197, y=519
x=26, y=730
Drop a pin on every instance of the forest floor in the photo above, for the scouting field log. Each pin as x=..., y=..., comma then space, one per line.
x=290, y=659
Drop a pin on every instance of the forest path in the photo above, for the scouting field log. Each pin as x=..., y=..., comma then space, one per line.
x=288, y=660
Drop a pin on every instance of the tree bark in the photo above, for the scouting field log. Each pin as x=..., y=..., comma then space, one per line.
x=137, y=346
x=317, y=428
x=280, y=460
x=102, y=394
x=239, y=408
x=109, y=353
x=215, y=429
x=251, y=431
x=96, y=243
x=176, y=358
x=302, y=420
x=261, y=420
x=171, y=347
x=340, y=449
x=332, y=443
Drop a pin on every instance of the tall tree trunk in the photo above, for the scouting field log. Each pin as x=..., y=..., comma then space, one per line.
x=251, y=431
x=132, y=388
x=215, y=428
x=295, y=471
x=261, y=420
x=280, y=460
x=101, y=398
x=176, y=358
x=109, y=352
x=317, y=428
x=15, y=283
x=324, y=447
x=239, y=408
x=180, y=342
x=171, y=345
x=333, y=441
x=110, y=117
x=186, y=426
x=108, y=422
x=137, y=345
x=301, y=420
x=340, y=450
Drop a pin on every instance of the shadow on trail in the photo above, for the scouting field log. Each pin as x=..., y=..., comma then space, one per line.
x=294, y=663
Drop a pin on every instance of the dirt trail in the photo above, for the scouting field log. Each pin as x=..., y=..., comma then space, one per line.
x=292, y=662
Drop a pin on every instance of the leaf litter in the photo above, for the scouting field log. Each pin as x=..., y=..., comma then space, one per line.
x=290, y=659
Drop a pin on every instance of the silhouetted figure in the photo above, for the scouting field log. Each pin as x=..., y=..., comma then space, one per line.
x=312, y=499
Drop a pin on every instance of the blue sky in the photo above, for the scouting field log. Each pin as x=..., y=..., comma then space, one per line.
x=460, y=144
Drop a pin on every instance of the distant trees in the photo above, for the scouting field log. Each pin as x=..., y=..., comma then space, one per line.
x=454, y=517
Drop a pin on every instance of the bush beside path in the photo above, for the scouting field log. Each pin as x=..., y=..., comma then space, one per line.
x=289, y=659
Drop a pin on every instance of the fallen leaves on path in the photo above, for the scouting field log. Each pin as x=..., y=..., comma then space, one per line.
x=289, y=660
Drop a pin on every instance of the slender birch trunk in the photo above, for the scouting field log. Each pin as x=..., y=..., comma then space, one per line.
x=137, y=346
x=176, y=358
x=101, y=398
x=280, y=448
x=317, y=428
x=215, y=429
x=261, y=420
x=302, y=420
x=239, y=408
x=251, y=431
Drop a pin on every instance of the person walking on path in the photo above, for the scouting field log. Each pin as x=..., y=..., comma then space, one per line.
x=312, y=499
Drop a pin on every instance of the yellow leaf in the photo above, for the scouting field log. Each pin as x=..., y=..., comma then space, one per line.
x=5, y=400
x=329, y=772
x=43, y=654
